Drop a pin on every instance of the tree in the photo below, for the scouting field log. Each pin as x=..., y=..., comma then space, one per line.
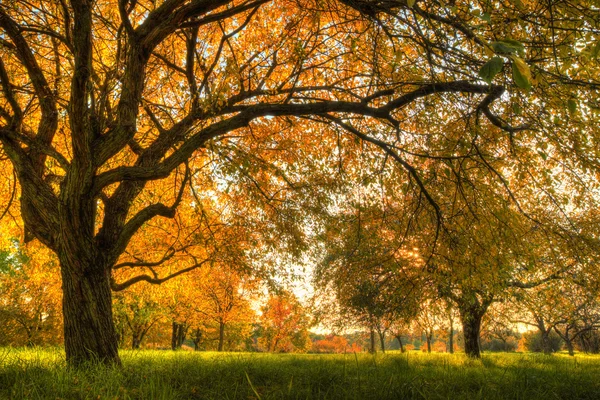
x=284, y=324
x=109, y=109
x=225, y=298
x=368, y=271
x=30, y=300
x=136, y=311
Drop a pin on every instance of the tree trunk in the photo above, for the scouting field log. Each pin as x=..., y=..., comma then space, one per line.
x=546, y=346
x=428, y=339
x=569, y=344
x=372, y=348
x=138, y=335
x=197, y=337
x=471, y=323
x=399, y=339
x=177, y=335
x=221, y=335
x=451, y=337
x=382, y=341
x=90, y=333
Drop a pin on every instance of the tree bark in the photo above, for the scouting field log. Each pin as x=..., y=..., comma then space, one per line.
x=471, y=317
x=546, y=346
x=196, y=338
x=89, y=330
x=399, y=339
x=372, y=348
x=382, y=341
x=428, y=340
x=451, y=337
x=570, y=349
x=221, y=335
x=178, y=335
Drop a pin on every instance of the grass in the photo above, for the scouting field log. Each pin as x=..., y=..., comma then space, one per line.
x=41, y=374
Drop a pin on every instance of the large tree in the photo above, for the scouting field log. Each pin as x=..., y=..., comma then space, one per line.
x=108, y=109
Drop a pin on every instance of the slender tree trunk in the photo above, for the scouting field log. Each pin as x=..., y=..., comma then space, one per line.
x=174, y=330
x=136, y=341
x=178, y=335
x=372, y=349
x=451, y=337
x=428, y=339
x=197, y=337
x=221, y=335
x=569, y=344
x=382, y=341
x=89, y=329
x=399, y=339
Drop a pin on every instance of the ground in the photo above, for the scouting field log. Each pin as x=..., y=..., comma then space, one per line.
x=41, y=374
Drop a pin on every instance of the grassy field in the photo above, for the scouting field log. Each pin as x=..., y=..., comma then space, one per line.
x=41, y=374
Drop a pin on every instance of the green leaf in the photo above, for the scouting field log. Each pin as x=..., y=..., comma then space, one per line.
x=572, y=106
x=508, y=46
x=521, y=73
x=486, y=17
x=410, y=3
x=596, y=50
x=491, y=68
x=519, y=4
x=517, y=108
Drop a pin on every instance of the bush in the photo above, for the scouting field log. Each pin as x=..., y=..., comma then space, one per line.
x=532, y=341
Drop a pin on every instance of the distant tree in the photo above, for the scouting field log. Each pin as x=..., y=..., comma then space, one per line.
x=29, y=297
x=284, y=324
x=136, y=311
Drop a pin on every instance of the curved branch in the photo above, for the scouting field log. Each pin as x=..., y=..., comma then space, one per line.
x=117, y=287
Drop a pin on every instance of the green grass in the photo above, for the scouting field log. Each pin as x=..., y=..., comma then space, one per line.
x=41, y=374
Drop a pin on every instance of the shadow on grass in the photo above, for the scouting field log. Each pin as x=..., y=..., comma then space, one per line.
x=41, y=374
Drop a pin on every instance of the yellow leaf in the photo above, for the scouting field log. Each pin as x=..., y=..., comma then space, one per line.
x=522, y=67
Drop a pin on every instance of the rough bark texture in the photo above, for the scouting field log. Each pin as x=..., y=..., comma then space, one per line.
x=471, y=323
x=90, y=333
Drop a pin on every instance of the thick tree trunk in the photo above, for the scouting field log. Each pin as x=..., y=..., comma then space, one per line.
x=471, y=323
x=221, y=335
x=90, y=334
x=546, y=346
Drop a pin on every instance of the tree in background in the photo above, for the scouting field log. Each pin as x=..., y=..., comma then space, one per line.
x=136, y=311
x=30, y=297
x=224, y=305
x=283, y=324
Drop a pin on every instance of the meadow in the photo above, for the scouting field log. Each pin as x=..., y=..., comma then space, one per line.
x=42, y=374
